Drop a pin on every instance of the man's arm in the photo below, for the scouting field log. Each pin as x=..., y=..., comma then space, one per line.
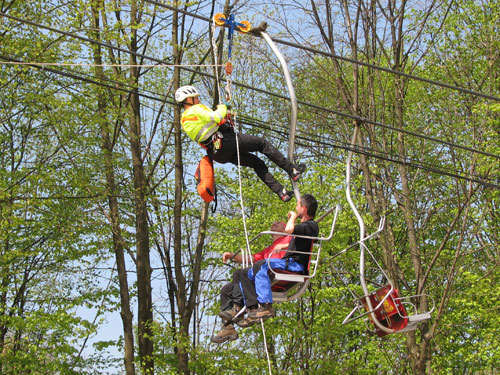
x=290, y=225
x=281, y=246
x=238, y=258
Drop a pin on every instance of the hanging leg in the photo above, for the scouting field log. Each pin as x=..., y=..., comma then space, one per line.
x=260, y=168
x=250, y=143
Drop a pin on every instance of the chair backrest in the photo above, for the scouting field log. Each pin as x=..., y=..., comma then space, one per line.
x=300, y=277
x=313, y=256
x=300, y=281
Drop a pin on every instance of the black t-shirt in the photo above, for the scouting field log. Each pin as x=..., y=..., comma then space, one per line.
x=309, y=228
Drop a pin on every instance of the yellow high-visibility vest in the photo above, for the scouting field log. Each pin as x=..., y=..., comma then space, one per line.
x=200, y=122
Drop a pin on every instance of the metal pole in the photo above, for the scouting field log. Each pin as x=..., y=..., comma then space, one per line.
x=361, y=235
x=293, y=100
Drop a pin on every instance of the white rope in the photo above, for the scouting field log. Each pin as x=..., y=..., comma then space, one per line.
x=247, y=254
x=109, y=65
x=265, y=345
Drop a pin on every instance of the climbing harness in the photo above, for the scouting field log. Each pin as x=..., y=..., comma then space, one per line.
x=383, y=306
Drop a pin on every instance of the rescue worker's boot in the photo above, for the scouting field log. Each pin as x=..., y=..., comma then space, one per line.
x=297, y=172
x=285, y=195
x=227, y=333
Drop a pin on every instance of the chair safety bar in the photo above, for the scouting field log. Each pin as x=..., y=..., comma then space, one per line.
x=301, y=278
x=417, y=317
x=295, y=276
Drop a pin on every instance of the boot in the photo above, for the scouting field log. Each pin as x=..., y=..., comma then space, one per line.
x=230, y=314
x=263, y=312
x=247, y=322
x=227, y=333
x=297, y=171
x=285, y=195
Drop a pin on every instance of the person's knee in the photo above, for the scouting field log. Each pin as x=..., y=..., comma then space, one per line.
x=237, y=274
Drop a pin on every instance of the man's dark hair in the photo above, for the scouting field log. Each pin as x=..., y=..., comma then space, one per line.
x=308, y=201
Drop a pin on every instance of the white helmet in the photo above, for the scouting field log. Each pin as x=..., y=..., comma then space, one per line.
x=185, y=92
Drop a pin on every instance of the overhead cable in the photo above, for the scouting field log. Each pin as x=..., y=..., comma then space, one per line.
x=209, y=75
x=260, y=124
x=42, y=64
x=353, y=61
x=481, y=180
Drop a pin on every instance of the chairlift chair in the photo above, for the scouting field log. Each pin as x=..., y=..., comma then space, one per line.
x=382, y=305
x=287, y=285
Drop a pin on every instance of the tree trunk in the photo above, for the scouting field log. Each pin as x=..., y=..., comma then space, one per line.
x=107, y=148
x=182, y=353
x=145, y=306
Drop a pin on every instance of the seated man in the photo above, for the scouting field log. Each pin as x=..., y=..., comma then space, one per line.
x=231, y=296
x=256, y=285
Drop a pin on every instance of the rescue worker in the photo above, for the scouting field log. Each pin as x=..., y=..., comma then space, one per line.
x=214, y=132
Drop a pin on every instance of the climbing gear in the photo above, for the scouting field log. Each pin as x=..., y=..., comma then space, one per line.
x=185, y=92
x=205, y=179
x=243, y=26
x=216, y=141
x=227, y=333
x=230, y=118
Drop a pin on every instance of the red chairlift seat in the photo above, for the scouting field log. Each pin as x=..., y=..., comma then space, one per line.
x=389, y=310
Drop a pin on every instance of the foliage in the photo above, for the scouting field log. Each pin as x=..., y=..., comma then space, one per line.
x=57, y=276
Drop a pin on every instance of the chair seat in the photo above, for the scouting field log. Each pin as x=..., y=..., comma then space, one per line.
x=282, y=280
x=419, y=317
x=295, y=277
